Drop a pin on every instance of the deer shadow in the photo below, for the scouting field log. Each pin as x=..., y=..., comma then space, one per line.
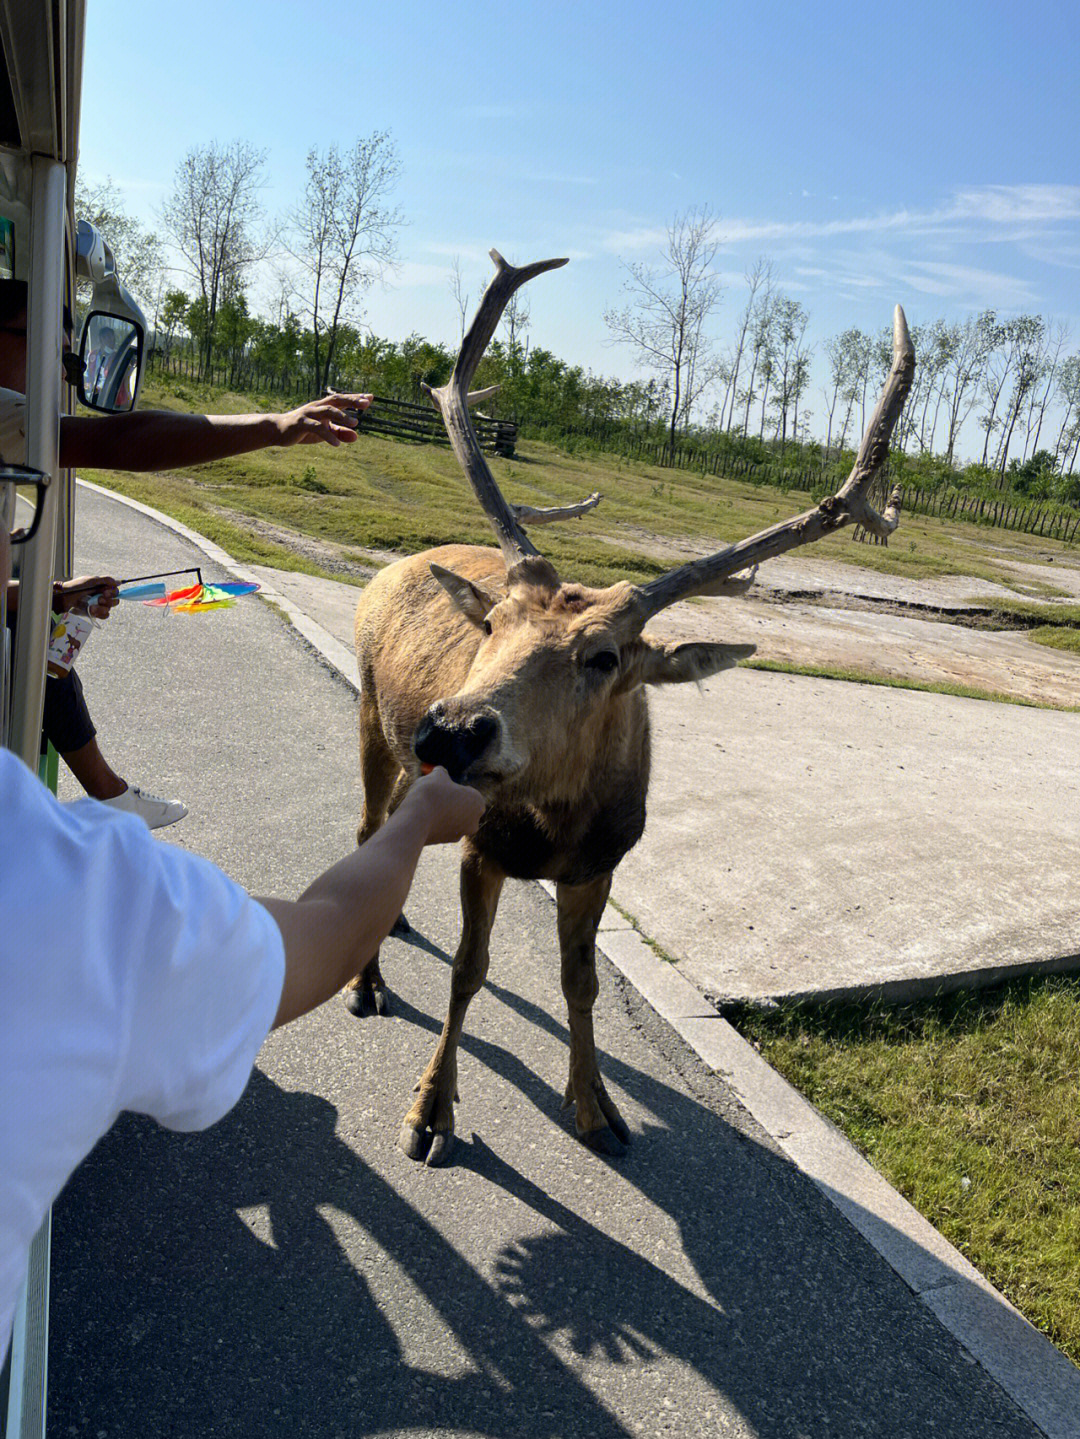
x=768, y=1299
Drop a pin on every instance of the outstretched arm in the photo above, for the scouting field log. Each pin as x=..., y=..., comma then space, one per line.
x=160, y=440
x=339, y=921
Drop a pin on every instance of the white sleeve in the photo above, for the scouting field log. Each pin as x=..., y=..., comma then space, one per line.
x=12, y=427
x=209, y=964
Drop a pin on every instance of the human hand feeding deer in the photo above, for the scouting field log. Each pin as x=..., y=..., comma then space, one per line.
x=531, y=689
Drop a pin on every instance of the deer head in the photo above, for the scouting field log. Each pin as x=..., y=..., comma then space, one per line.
x=554, y=660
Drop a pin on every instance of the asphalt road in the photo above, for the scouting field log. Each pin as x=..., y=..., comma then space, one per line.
x=290, y=1272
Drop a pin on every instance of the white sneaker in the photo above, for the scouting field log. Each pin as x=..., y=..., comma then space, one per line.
x=155, y=811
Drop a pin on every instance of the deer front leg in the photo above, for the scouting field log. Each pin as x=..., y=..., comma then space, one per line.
x=385, y=784
x=597, y=1120
x=433, y=1111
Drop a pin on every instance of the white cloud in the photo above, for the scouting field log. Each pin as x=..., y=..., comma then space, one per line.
x=970, y=284
x=979, y=209
x=1010, y=204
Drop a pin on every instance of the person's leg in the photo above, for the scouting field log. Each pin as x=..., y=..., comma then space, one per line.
x=93, y=771
x=66, y=724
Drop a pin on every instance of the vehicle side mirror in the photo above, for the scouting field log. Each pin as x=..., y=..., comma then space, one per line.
x=112, y=349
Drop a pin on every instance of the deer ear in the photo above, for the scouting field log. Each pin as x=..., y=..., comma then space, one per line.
x=472, y=600
x=650, y=662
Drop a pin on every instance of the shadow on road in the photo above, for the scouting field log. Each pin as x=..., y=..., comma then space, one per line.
x=235, y=1282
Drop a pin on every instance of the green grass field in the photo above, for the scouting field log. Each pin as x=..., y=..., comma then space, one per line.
x=970, y=1106
x=391, y=497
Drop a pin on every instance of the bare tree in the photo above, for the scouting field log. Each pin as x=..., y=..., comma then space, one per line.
x=791, y=364
x=759, y=278
x=1041, y=393
x=668, y=309
x=213, y=214
x=761, y=328
x=968, y=349
x=344, y=234
x=919, y=420
x=941, y=341
x=459, y=292
x=1068, y=390
x=515, y=320
x=1029, y=335
x=842, y=352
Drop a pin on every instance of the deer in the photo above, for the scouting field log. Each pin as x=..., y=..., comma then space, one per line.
x=533, y=689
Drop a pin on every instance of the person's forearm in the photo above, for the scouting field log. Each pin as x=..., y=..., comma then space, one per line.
x=158, y=439
x=340, y=920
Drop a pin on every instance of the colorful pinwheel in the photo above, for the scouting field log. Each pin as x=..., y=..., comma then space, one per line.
x=193, y=599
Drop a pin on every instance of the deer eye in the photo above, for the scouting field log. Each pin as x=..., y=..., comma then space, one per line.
x=486, y=627
x=604, y=660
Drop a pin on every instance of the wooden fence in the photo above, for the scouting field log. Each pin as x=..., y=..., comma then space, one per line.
x=1055, y=522
x=387, y=415
x=424, y=423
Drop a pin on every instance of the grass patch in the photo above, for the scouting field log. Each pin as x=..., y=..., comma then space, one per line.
x=1056, y=638
x=177, y=499
x=1020, y=613
x=657, y=949
x=942, y=687
x=970, y=1106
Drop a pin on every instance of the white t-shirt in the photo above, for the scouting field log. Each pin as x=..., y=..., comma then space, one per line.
x=133, y=976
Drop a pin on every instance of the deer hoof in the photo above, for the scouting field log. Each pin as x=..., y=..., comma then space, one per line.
x=604, y=1141
x=610, y=1111
x=442, y=1146
x=413, y=1142
x=367, y=1001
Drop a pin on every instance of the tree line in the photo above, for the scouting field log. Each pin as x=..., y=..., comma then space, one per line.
x=1012, y=379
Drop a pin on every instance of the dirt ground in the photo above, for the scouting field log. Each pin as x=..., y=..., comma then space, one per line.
x=811, y=611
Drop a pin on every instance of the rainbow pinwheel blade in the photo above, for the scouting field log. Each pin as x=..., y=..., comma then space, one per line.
x=232, y=588
x=193, y=607
x=153, y=591
x=196, y=598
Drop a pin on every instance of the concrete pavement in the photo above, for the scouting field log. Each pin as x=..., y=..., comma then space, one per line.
x=240, y=796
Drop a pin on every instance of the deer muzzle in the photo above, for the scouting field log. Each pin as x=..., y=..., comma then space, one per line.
x=455, y=742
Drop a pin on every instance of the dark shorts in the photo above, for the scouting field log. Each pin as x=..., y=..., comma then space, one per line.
x=65, y=720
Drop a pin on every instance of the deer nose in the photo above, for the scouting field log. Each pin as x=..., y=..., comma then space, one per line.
x=453, y=743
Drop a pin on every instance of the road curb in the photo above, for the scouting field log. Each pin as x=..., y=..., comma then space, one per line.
x=1039, y=1379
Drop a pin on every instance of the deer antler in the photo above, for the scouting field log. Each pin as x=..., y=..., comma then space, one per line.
x=527, y=515
x=712, y=574
x=453, y=400
x=476, y=397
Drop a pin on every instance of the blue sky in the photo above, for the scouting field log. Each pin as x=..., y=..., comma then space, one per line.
x=924, y=154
